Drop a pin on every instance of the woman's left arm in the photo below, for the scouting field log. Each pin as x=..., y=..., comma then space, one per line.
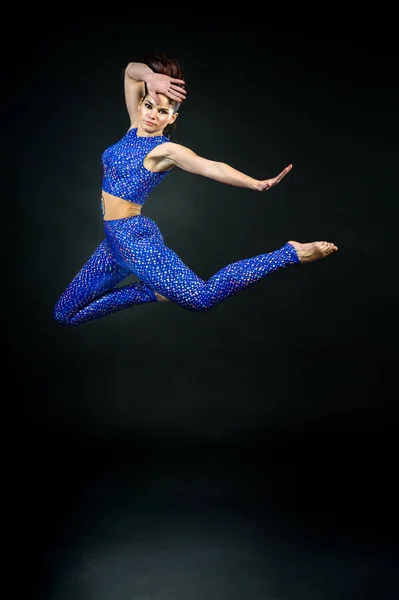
x=184, y=158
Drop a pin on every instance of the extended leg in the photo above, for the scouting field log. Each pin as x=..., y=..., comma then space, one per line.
x=164, y=271
x=93, y=294
x=138, y=245
x=179, y=284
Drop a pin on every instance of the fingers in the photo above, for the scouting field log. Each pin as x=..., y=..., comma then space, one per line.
x=269, y=183
x=283, y=173
x=179, y=92
x=177, y=88
x=176, y=97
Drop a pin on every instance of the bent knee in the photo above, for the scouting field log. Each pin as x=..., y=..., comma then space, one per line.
x=62, y=318
x=199, y=307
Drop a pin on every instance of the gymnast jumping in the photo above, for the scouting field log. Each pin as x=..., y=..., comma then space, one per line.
x=133, y=244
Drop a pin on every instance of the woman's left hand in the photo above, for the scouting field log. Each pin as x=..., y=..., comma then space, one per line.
x=266, y=184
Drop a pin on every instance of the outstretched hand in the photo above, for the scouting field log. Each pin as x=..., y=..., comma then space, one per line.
x=266, y=184
x=158, y=83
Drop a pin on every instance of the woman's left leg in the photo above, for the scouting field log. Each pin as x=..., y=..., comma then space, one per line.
x=178, y=283
x=93, y=294
x=138, y=245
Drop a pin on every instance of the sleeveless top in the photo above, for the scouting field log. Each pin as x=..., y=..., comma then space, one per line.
x=124, y=174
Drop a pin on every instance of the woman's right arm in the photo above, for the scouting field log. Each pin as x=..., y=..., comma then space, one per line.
x=138, y=77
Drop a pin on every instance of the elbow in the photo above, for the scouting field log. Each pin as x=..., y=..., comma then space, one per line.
x=214, y=170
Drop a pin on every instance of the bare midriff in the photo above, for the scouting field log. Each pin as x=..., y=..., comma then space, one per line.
x=117, y=208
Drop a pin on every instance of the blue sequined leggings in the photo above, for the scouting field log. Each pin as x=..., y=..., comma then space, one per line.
x=134, y=245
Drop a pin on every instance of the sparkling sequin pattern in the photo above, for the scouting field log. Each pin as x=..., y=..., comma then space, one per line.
x=136, y=245
x=124, y=174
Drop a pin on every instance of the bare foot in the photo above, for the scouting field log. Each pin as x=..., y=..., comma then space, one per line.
x=161, y=298
x=313, y=250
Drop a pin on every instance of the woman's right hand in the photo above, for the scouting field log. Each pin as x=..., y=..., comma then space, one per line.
x=157, y=83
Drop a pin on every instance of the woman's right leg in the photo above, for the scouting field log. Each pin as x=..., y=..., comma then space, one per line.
x=93, y=294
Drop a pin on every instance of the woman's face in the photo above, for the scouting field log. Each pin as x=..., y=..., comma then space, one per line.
x=154, y=117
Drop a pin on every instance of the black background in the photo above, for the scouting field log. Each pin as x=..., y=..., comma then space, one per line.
x=281, y=401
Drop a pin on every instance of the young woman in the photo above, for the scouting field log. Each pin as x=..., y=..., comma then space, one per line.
x=133, y=243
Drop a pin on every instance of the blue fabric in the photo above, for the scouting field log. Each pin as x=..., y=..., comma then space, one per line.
x=135, y=245
x=124, y=174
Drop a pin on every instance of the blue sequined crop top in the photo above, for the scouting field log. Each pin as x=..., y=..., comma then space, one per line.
x=124, y=174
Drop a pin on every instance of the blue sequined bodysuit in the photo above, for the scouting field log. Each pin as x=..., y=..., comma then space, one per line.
x=135, y=245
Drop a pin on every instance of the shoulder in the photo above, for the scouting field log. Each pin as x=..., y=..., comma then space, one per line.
x=169, y=154
x=170, y=149
x=165, y=148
